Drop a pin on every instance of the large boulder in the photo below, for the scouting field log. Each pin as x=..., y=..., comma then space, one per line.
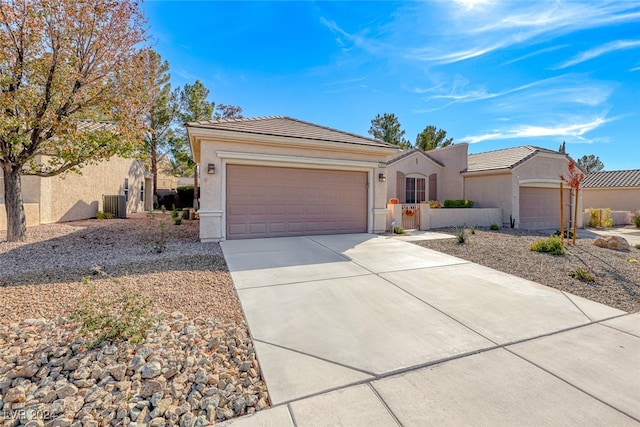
x=612, y=242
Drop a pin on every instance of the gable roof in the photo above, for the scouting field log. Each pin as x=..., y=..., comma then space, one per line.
x=612, y=179
x=412, y=151
x=287, y=127
x=506, y=158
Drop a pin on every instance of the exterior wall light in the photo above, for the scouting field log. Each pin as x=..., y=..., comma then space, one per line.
x=381, y=177
x=211, y=168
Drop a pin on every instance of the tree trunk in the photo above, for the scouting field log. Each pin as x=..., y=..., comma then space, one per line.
x=16, y=220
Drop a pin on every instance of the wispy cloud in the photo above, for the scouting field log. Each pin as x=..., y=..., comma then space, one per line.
x=599, y=51
x=571, y=129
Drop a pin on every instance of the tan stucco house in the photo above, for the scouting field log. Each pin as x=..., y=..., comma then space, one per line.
x=72, y=197
x=523, y=181
x=616, y=190
x=278, y=176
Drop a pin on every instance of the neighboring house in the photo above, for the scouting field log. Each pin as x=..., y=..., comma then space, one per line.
x=278, y=176
x=72, y=197
x=523, y=181
x=616, y=190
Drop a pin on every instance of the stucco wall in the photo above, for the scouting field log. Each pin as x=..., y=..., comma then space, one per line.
x=31, y=211
x=416, y=164
x=213, y=186
x=616, y=199
x=454, y=159
x=491, y=191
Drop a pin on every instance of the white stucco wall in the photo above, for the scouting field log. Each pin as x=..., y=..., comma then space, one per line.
x=616, y=199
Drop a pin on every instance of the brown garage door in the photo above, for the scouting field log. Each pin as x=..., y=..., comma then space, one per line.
x=271, y=202
x=540, y=208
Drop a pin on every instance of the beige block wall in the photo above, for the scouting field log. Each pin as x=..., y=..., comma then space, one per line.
x=31, y=211
x=415, y=164
x=616, y=199
x=212, y=202
x=74, y=197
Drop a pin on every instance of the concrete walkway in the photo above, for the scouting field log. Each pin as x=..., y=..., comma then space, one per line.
x=365, y=330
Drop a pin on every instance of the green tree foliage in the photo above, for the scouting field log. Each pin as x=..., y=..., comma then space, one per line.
x=590, y=163
x=431, y=138
x=387, y=128
x=161, y=115
x=65, y=66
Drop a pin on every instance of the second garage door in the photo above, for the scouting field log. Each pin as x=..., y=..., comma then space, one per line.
x=271, y=202
x=540, y=208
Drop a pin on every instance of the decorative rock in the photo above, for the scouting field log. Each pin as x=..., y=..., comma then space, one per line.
x=612, y=242
x=67, y=390
x=15, y=395
x=239, y=405
x=151, y=387
x=151, y=370
x=117, y=371
x=157, y=422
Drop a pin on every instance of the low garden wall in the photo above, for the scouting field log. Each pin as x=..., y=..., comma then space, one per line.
x=31, y=211
x=443, y=217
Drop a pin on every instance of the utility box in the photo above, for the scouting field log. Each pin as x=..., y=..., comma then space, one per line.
x=115, y=204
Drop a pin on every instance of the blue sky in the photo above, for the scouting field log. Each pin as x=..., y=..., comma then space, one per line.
x=494, y=74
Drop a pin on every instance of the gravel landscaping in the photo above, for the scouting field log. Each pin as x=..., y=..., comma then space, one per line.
x=196, y=365
x=617, y=277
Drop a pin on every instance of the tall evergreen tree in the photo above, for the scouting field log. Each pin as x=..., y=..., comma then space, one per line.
x=431, y=138
x=387, y=128
x=590, y=163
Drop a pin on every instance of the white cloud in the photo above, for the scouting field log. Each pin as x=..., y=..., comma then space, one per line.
x=599, y=51
x=576, y=130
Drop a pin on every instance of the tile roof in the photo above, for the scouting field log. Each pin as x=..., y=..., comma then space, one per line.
x=613, y=179
x=288, y=128
x=410, y=152
x=506, y=158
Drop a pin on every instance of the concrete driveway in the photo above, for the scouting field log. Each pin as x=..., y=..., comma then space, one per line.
x=372, y=330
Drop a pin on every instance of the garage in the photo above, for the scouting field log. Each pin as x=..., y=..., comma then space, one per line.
x=264, y=201
x=540, y=208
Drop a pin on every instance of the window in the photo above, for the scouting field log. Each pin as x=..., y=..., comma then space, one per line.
x=415, y=190
x=142, y=191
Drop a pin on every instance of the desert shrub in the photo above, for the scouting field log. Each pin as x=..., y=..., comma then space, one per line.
x=460, y=233
x=632, y=260
x=473, y=229
x=494, y=227
x=398, y=230
x=458, y=203
x=104, y=215
x=635, y=219
x=600, y=218
x=177, y=221
x=607, y=221
x=551, y=245
x=582, y=274
x=638, y=246
x=158, y=243
x=512, y=221
x=126, y=318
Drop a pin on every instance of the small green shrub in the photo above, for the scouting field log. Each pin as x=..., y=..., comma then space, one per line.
x=177, y=221
x=125, y=319
x=473, y=229
x=551, y=245
x=158, y=244
x=494, y=227
x=398, y=230
x=635, y=219
x=638, y=246
x=600, y=218
x=433, y=204
x=582, y=274
x=104, y=215
x=607, y=221
x=460, y=233
x=632, y=260
x=458, y=203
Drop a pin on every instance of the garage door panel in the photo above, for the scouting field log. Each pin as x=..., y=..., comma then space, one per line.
x=269, y=202
x=540, y=207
